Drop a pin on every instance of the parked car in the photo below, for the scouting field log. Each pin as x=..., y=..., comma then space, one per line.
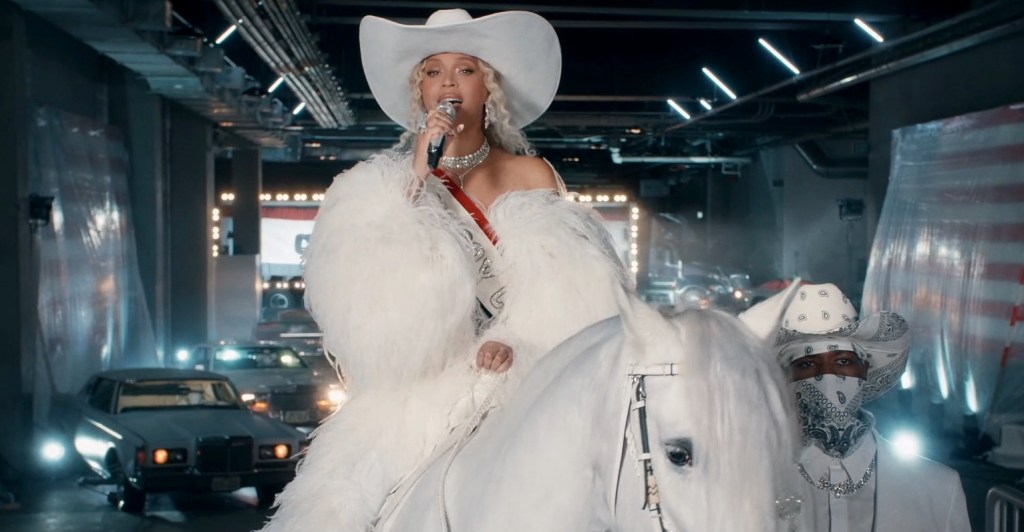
x=160, y=429
x=681, y=292
x=292, y=327
x=272, y=379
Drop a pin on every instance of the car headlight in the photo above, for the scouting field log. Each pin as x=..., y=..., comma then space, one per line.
x=738, y=294
x=248, y=397
x=280, y=451
x=169, y=456
x=336, y=396
x=52, y=451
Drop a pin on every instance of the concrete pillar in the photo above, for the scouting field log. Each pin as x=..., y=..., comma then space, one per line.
x=247, y=183
x=18, y=279
x=190, y=194
x=139, y=115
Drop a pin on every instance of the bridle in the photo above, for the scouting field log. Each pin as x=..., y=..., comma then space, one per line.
x=638, y=403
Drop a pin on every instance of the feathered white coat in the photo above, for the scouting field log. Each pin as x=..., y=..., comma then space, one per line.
x=390, y=280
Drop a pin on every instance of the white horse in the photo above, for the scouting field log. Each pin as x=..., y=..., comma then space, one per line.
x=562, y=454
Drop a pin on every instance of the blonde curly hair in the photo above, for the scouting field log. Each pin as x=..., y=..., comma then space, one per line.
x=500, y=133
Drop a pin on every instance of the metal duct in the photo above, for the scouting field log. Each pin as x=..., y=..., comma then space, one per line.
x=133, y=34
x=274, y=31
x=913, y=60
x=815, y=158
x=620, y=159
x=977, y=20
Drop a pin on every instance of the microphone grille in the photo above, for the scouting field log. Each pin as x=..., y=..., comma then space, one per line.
x=447, y=107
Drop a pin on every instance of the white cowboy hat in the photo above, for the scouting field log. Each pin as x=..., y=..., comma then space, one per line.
x=821, y=318
x=520, y=45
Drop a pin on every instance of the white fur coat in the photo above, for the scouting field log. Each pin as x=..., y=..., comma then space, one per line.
x=390, y=281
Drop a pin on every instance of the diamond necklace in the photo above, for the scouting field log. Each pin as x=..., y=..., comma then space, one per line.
x=846, y=487
x=462, y=165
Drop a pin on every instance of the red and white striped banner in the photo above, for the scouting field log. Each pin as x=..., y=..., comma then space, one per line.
x=949, y=255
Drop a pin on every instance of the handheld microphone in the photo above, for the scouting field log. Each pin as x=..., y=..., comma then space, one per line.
x=436, y=147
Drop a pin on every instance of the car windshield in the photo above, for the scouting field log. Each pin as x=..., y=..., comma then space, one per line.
x=177, y=394
x=257, y=357
x=740, y=281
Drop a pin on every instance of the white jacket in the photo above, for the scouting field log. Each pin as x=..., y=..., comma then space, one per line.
x=390, y=282
x=913, y=494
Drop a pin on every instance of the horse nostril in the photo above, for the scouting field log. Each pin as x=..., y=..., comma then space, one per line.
x=680, y=452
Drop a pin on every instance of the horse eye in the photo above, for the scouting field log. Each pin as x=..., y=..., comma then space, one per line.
x=680, y=452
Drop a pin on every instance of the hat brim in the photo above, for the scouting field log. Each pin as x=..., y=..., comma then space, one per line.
x=881, y=339
x=520, y=45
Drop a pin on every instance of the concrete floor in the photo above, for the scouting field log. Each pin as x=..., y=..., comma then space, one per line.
x=60, y=505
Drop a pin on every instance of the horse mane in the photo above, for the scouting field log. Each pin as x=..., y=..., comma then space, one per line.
x=740, y=377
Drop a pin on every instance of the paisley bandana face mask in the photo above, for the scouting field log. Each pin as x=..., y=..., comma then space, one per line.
x=830, y=414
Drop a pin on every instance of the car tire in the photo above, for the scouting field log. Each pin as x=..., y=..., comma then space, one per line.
x=266, y=493
x=128, y=498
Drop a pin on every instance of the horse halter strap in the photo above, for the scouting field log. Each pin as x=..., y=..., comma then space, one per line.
x=638, y=403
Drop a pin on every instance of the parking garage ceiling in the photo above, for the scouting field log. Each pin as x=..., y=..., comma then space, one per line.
x=622, y=62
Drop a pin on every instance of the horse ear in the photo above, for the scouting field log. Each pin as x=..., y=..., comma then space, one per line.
x=764, y=318
x=640, y=322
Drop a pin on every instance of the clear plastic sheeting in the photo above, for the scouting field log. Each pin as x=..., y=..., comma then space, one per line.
x=92, y=312
x=949, y=255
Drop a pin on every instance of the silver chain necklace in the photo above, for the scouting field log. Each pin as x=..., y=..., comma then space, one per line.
x=462, y=165
x=846, y=487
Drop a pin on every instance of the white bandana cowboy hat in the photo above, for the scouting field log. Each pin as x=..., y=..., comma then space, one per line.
x=520, y=45
x=821, y=318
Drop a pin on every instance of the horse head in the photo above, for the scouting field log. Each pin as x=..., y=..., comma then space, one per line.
x=719, y=430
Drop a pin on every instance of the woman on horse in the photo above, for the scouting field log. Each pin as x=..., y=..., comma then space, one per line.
x=438, y=283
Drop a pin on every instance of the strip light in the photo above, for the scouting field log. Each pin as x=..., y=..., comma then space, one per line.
x=725, y=88
x=273, y=86
x=678, y=108
x=705, y=104
x=298, y=108
x=782, y=59
x=869, y=30
x=227, y=33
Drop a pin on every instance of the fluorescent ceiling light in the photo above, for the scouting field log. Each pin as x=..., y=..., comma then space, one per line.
x=706, y=104
x=273, y=86
x=723, y=86
x=678, y=109
x=299, y=108
x=782, y=59
x=227, y=33
x=869, y=30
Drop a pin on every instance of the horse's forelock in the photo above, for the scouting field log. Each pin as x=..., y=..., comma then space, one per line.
x=750, y=435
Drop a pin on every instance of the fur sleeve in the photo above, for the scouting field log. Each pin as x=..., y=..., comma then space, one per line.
x=387, y=278
x=562, y=272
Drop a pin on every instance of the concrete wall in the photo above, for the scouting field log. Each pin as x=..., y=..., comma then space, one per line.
x=790, y=221
x=45, y=66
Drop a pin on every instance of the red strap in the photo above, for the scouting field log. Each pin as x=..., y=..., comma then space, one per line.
x=467, y=203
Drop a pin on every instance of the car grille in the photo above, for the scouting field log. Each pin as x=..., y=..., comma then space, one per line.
x=222, y=454
x=304, y=397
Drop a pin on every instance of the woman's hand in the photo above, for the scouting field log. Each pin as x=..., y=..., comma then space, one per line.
x=494, y=356
x=437, y=124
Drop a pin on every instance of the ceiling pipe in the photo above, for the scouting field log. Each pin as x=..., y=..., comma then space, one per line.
x=285, y=44
x=816, y=159
x=858, y=128
x=807, y=16
x=617, y=158
x=913, y=60
x=961, y=20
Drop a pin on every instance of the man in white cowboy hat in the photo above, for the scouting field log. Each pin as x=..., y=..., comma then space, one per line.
x=848, y=477
x=438, y=288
